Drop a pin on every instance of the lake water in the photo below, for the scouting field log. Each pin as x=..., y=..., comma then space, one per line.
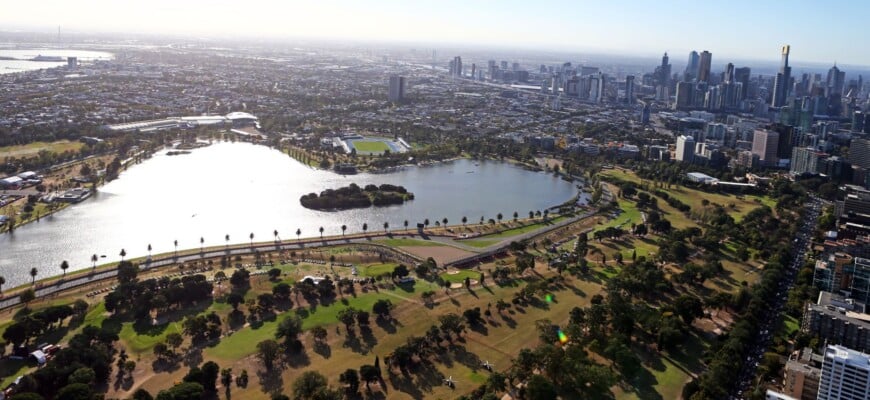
x=22, y=58
x=239, y=188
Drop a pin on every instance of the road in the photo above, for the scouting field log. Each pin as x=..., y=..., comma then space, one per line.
x=772, y=318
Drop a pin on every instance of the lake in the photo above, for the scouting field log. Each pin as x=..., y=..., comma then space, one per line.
x=240, y=188
x=22, y=58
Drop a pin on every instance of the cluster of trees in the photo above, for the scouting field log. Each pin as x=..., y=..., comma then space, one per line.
x=353, y=196
x=672, y=201
x=28, y=325
x=418, y=349
x=161, y=294
x=75, y=371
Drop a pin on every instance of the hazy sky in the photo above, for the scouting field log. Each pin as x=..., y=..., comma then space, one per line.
x=818, y=31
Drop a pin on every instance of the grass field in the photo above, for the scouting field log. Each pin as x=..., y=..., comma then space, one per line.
x=480, y=243
x=523, y=229
x=370, y=146
x=30, y=149
x=737, y=206
x=460, y=277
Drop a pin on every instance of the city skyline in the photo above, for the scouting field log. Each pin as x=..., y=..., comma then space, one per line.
x=749, y=31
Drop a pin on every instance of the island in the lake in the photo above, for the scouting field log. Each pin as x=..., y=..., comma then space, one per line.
x=353, y=196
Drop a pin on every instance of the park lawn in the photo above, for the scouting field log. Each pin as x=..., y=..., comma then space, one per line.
x=144, y=342
x=377, y=269
x=479, y=243
x=460, y=276
x=370, y=146
x=630, y=215
x=694, y=198
x=400, y=242
x=243, y=342
x=789, y=326
x=30, y=149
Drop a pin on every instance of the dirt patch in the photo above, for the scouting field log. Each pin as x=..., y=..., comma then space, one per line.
x=441, y=254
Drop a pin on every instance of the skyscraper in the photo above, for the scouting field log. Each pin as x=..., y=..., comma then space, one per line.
x=685, y=151
x=845, y=375
x=783, y=80
x=684, y=95
x=742, y=75
x=629, y=89
x=835, y=80
x=397, y=89
x=692, y=66
x=764, y=145
x=663, y=72
x=859, y=153
x=704, y=66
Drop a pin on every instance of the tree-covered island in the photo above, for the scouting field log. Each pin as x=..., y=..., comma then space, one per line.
x=353, y=196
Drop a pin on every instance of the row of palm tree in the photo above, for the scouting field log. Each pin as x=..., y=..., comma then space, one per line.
x=365, y=226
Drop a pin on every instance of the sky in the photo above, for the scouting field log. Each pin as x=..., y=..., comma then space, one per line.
x=818, y=31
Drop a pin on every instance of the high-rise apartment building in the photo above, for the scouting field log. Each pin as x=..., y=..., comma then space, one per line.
x=397, y=89
x=684, y=95
x=685, y=151
x=765, y=144
x=704, y=66
x=845, y=375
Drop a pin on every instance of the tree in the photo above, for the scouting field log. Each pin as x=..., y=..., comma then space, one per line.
x=289, y=329
x=688, y=307
x=201, y=243
x=368, y=374
x=275, y=234
x=382, y=308
x=2, y=282
x=64, y=265
x=174, y=339
x=406, y=224
x=234, y=299
x=298, y=233
x=142, y=394
x=347, y=317
x=83, y=375
x=539, y=388
x=308, y=385
x=252, y=239
x=175, y=243
x=319, y=333
x=386, y=226
x=33, y=273
x=343, y=229
x=94, y=259
x=499, y=217
x=210, y=371
x=321, y=232
x=182, y=391
x=123, y=254
x=274, y=273
x=268, y=351
x=75, y=391
x=464, y=220
x=227, y=241
x=365, y=227
x=350, y=378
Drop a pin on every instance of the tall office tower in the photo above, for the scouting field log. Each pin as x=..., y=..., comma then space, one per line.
x=629, y=89
x=765, y=144
x=456, y=66
x=845, y=375
x=692, y=66
x=728, y=77
x=663, y=72
x=515, y=66
x=783, y=80
x=685, y=148
x=704, y=66
x=859, y=151
x=72, y=62
x=835, y=81
x=684, y=95
x=397, y=89
x=596, y=87
x=742, y=75
x=504, y=65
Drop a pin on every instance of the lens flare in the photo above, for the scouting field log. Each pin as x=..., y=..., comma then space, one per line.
x=563, y=338
x=548, y=298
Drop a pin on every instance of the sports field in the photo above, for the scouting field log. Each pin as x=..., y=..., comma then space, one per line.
x=370, y=146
